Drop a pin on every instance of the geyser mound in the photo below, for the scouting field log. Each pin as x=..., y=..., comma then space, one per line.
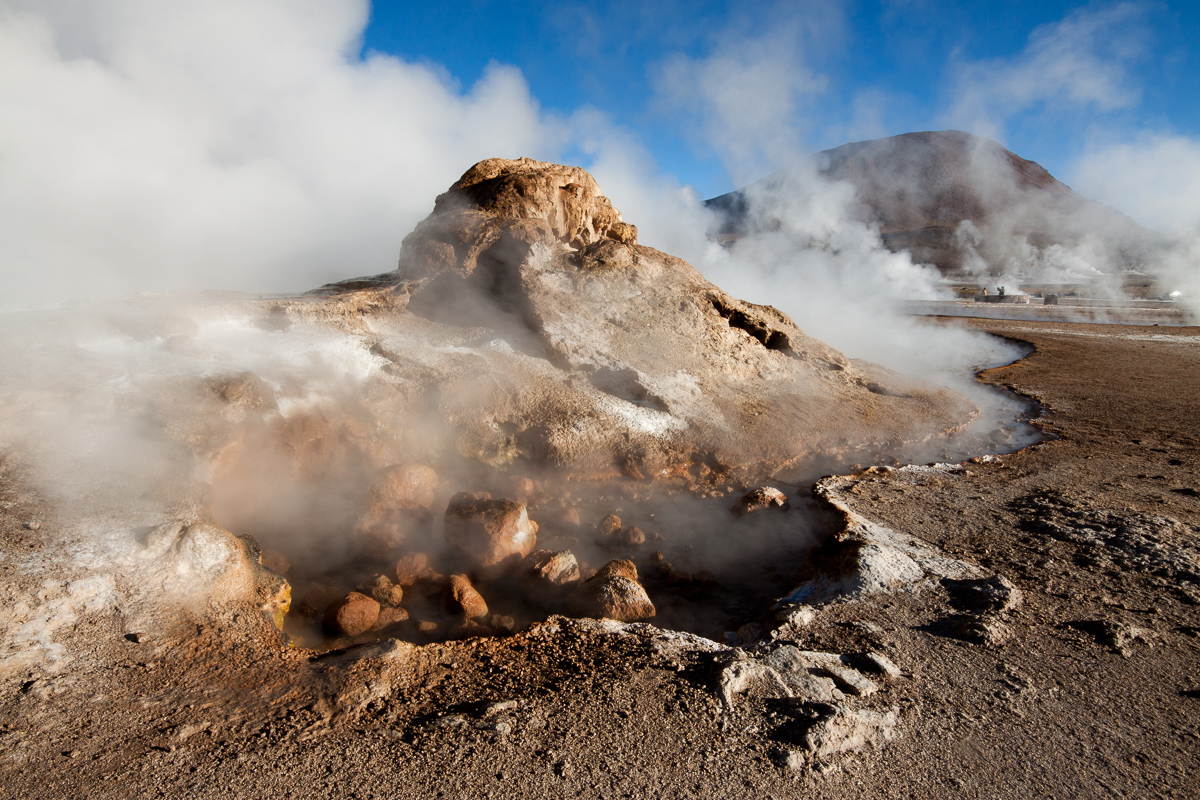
x=606, y=356
x=427, y=453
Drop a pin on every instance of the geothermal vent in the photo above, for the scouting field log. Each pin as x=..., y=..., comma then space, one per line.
x=550, y=419
x=532, y=415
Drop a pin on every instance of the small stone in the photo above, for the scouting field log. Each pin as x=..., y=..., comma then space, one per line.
x=33, y=525
x=614, y=593
x=489, y=532
x=760, y=498
x=798, y=616
x=609, y=526
x=427, y=627
x=633, y=536
x=499, y=707
x=353, y=614
x=794, y=760
x=461, y=597
x=995, y=594
x=976, y=628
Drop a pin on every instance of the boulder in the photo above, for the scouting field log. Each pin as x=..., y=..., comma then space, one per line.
x=353, y=614
x=460, y=597
x=487, y=532
x=412, y=568
x=614, y=593
x=552, y=568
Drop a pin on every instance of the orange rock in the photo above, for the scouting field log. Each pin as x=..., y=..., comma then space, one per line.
x=460, y=597
x=489, y=532
x=353, y=614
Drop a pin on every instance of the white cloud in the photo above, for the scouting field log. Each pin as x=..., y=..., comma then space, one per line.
x=1081, y=61
x=744, y=100
x=228, y=144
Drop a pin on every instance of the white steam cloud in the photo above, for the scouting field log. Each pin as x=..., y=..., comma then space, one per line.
x=234, y=144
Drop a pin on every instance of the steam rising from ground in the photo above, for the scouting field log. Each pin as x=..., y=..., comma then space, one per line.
x=234, y=144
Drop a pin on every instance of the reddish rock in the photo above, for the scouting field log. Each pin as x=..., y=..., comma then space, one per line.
x=381, y=589
x=609, y=526
x=611, y=594
x=760, y=498
x=406, y=486
x=460, y=597
x=353, y=614
x=633, y=536
x=489, y=532
x=621, y=567
x=389, y=617
x=412, y=568
x=556, y=568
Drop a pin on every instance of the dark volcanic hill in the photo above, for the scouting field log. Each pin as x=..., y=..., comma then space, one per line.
x=951, y=198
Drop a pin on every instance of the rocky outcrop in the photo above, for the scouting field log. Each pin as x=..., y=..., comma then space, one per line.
x=549, y=335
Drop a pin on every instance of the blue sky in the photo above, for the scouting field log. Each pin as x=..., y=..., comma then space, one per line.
x=872, y=68
x=274, y=145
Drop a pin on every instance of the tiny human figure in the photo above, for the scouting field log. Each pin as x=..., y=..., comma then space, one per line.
x=1000, y=291
x=985, y=291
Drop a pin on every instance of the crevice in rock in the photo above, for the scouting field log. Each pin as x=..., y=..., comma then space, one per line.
x=760, y=331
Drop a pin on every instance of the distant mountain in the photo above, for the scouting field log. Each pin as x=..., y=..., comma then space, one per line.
x=957, y=201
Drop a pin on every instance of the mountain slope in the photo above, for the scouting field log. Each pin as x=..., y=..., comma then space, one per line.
x=953, y=199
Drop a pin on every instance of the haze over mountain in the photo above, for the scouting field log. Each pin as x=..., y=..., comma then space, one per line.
x=960, y=201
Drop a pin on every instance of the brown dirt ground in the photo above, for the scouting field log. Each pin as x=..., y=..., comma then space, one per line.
x=219, y=709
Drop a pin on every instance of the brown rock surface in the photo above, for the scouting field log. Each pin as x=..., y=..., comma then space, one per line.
x=626, y=360
x=462, y=598
x=557, y=568
x=489, y=532
x=614, y=593
x=353, y=614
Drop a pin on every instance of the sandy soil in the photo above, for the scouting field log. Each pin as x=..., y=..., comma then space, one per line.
x=1089, y=688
